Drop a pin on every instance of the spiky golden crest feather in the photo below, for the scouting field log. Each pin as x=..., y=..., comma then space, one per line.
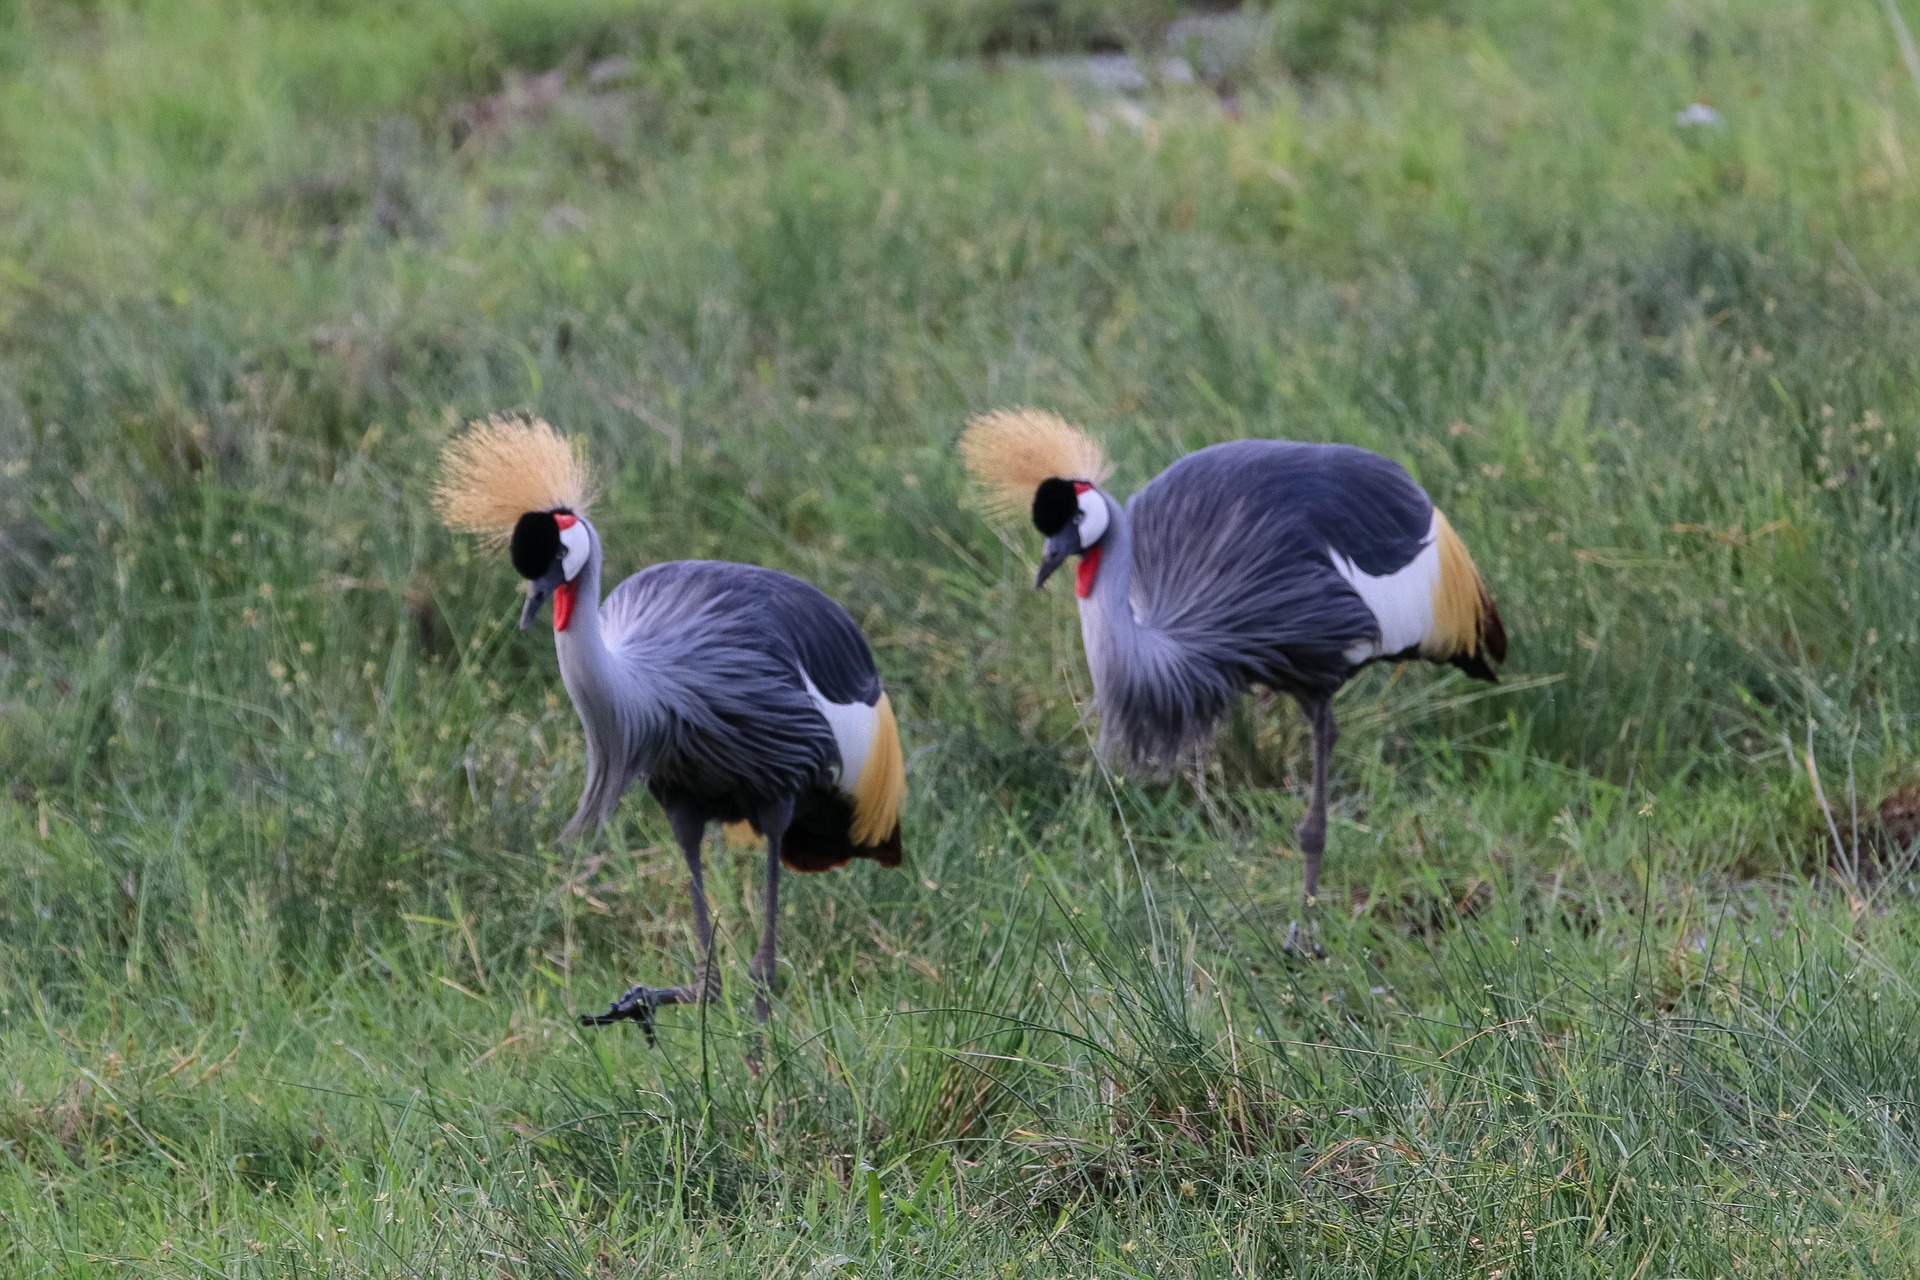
x=1010, y=451
x=500, y=468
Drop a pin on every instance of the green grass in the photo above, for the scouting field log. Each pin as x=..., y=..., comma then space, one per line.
x=288, y=955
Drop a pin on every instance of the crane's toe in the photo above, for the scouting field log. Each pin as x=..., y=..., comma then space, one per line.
x=762, y=993
x=640, y=1001
x=637, y=1005
x=1303, y=944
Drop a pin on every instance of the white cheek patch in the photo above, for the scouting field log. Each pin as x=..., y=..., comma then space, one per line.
x=575, y=540
x=1093, y=518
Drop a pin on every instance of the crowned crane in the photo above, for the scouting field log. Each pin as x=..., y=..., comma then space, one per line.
x=1255, y=562
x=739, y=694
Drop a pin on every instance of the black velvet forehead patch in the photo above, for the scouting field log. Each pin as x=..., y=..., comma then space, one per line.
x=536, y=542
x=1055, y=504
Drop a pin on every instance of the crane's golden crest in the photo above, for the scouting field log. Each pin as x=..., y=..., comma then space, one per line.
x=500, y=468
x=1010, y=451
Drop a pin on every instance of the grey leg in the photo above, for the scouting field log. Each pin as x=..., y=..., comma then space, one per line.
x=773, y=824
x=640, y=1000
x=1312, y=831
x=689, y=828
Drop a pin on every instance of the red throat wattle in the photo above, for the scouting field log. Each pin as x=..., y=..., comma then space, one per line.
x=1083, y=573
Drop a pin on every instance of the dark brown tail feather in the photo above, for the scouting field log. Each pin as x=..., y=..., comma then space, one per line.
x=1493, y=632
x=1493, y=644
x=818, y=840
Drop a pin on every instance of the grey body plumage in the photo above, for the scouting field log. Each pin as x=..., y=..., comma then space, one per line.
x=700, y=678
x=689, y=675
x=1255, y=562
x=738, y=694
x=1216, y=577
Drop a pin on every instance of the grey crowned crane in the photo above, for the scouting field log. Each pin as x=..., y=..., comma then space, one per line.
x=738, y=694
x=1255, y=562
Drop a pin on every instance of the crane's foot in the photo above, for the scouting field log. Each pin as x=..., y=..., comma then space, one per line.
x=638, y=1005
x=1303, y=944
x=762, y=993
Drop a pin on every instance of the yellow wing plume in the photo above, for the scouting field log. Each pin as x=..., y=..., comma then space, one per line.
x=879, y=793
x=500, y=468
x=1460, y=599
x=882, y=786
x=1010, y=451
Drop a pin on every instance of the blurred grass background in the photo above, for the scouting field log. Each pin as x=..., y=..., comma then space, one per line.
x=288, y=957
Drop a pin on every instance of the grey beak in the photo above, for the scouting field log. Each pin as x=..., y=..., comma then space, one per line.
x=1060, y=547
x=539, y=589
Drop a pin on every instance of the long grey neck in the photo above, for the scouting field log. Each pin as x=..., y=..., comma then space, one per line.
x=585, y=664
x=616, y=701
x=1107, y=626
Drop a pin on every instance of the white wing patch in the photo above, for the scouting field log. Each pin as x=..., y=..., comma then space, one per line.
x=852, y=724
x=1401, y=601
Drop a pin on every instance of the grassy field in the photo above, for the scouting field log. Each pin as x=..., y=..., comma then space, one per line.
x=1621, y=972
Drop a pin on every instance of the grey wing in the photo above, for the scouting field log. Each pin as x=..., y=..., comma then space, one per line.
x=734, y=712
x=788, y=619
x=824, y=638
x=1231, y=560
x=1364, y=506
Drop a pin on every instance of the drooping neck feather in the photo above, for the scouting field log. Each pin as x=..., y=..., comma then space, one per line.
x=1156, y=696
